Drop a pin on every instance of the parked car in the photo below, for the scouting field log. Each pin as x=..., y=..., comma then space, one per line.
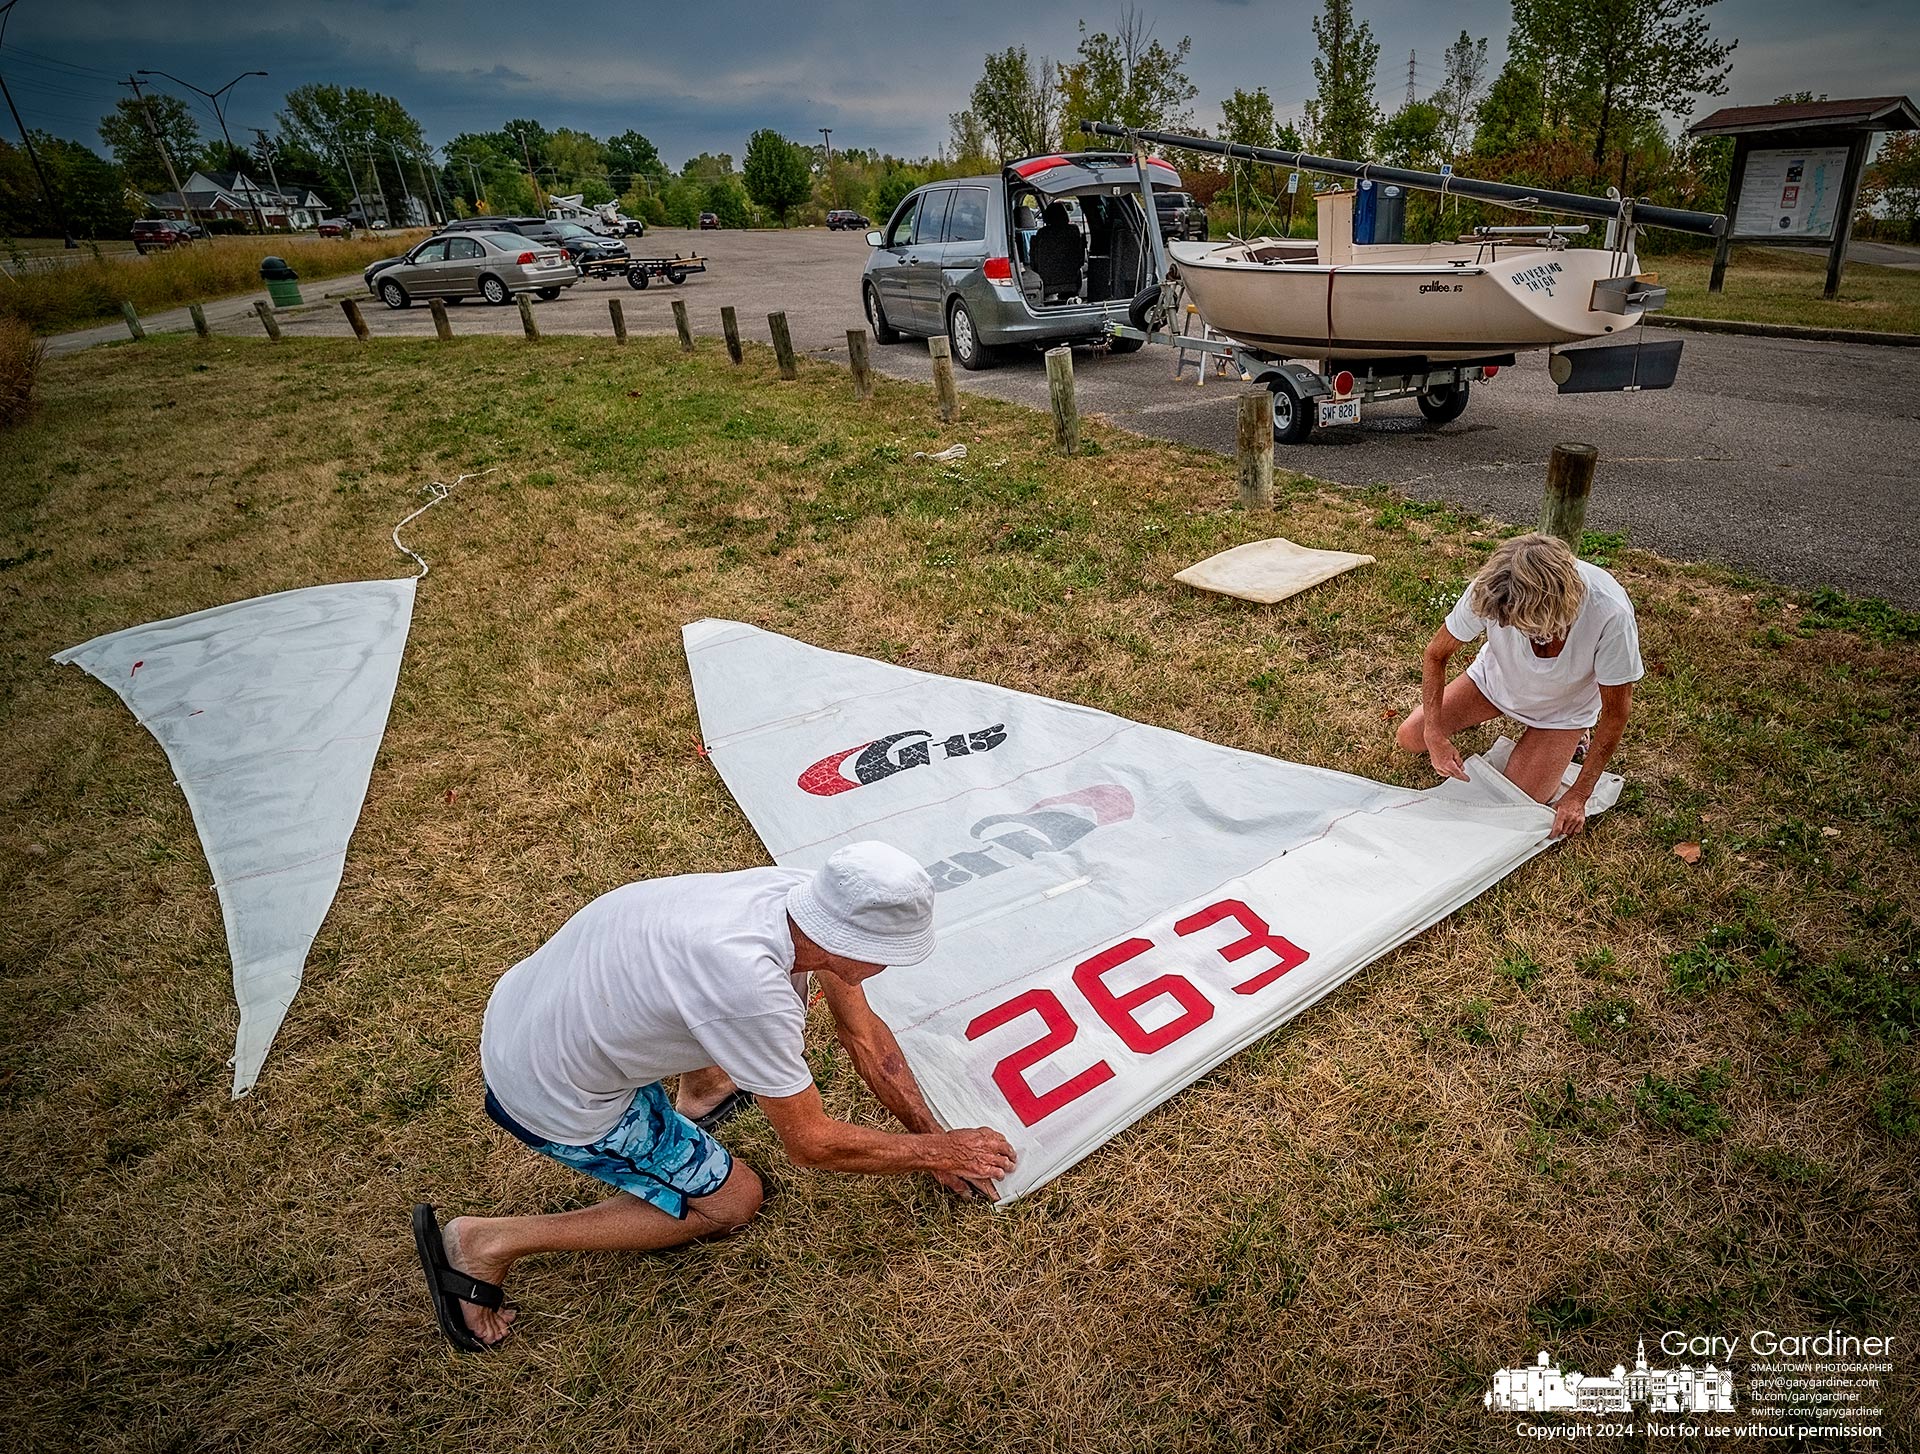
x=1049, y=251
x=1180, y=216
x=580, y=244
x=844, y=219
x=708, y=221
x=334, y=227
x=157, y=234
x=493, y=265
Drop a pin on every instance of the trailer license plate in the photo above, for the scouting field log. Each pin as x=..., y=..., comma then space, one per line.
x=1339, y=411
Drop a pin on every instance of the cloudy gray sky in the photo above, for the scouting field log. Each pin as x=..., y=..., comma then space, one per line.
x=701, y=75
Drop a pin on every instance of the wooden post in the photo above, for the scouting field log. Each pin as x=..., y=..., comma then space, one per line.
x=199, y=317
x=782, y=345
x=352, y=310
x=1255, y=448
x=442, y=325
x=1066, y=413
x=682, y=326
x=619, y=319
x=857, y=361
x=133, y=320
x=1563, y=511
x=1723, y=245
x=267, y=320
x=531, y=329
x=1843, y=215
x=730, y=326
x=942, y=350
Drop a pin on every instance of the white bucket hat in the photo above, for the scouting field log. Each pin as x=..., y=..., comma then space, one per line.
x=867, y=902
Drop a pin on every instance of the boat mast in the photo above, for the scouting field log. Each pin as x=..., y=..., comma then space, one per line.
x=1526, y=199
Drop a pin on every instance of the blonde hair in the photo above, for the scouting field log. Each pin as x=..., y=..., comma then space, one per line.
x=1531, y=583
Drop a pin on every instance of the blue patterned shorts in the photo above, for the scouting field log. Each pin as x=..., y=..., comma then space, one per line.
x=654, y=1152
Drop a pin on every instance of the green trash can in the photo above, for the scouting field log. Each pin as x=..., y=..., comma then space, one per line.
x=280, y=281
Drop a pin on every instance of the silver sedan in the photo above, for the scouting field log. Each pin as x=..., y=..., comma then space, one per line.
x=494, y=265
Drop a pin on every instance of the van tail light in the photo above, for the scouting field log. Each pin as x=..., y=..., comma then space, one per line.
x=524, y=259
x=998, y=269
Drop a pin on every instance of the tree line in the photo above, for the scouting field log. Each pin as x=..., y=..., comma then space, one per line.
x=1584, y=101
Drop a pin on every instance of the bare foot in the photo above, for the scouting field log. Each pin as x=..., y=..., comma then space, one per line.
x=489, y=1325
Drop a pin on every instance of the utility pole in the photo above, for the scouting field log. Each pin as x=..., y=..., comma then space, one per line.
x=431, y=185
x=531, y=177
x=359, y=198
x=380, y=187
x=220, y=115
x=53, y=202
x=480, y=201
x=160, y=145
x=406, y=190
x=827, y=133
x=266, y=154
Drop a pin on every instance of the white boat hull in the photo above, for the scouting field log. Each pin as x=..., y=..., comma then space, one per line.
x=1443, y=303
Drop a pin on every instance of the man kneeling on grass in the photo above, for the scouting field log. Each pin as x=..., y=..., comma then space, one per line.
x=1562, y=655
x=704, y=977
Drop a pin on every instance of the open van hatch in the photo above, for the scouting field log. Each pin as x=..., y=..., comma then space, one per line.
x=1099, y=195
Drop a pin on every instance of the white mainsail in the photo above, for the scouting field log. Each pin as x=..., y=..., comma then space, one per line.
x=1120, y=907
x=270, y=711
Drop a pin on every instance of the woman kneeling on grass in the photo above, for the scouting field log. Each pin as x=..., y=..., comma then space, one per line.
x=1561, y=658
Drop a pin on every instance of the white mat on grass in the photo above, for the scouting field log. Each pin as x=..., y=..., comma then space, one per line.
x=1120, y=907
x=1266, y=571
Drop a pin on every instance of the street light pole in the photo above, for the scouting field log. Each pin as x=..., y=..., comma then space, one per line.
x=219, y=115
x=53, y=202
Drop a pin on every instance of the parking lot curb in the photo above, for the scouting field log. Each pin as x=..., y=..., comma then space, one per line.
x=1787, y=330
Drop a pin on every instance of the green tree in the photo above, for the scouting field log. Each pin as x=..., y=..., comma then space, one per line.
x=632, y=158
x=1017, y=103
x=1892, y=182
x=1127, y=77
x=776, y=173
x=1514, y=112
x=130, y=138
x=972, y=148
x=725, y=200
x=351, y=134
x=92, y=190
x=893, y=186
x=1458, y=97
x=576, y=161
x=1615, y=64
x=1414, y=136
x=1342, y=115
x=708, y=167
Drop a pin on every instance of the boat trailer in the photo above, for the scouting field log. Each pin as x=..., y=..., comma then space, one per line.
x=1305, y=397
x=640, y=271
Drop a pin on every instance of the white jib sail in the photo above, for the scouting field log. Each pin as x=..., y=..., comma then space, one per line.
x=270, y=711
x=1120, y=907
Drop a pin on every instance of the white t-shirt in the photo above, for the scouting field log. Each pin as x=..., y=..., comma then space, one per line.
x=650, y=980
x=1602, y=650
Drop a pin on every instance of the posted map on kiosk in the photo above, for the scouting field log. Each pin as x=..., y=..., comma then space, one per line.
x=1119, y=907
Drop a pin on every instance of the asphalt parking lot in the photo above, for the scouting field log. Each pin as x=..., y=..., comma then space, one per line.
x=1789, y=459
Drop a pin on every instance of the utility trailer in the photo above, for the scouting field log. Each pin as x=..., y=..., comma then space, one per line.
x=641, y=271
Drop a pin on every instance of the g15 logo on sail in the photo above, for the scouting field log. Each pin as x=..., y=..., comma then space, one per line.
x=856, y=767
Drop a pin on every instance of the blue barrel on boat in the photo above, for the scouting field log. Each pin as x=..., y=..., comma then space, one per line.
x=1379, y=213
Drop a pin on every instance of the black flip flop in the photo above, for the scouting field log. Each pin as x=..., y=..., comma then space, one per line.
x=732, y=1106
x=447, y=1285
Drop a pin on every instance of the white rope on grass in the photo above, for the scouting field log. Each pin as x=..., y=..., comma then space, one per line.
x=439, y=492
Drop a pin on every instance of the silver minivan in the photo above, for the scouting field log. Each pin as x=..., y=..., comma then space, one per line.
x=1047, y=252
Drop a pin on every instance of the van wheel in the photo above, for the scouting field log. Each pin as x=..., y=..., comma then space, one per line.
x=883, y=331
x=495, y=291
x=393, y=295
x=1444, y=404
x=965, y=338
x=1292, y=414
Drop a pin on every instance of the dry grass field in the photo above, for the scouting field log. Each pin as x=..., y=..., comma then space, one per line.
x=1617, y=1094
x=93, y=290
